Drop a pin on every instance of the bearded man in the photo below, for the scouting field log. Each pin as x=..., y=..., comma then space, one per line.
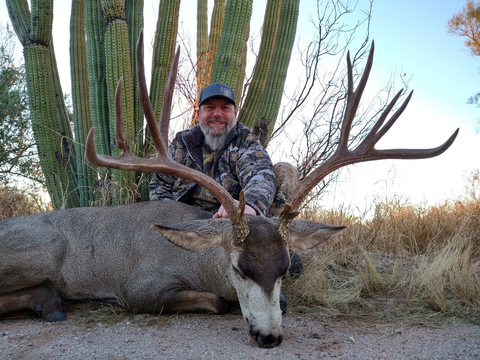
x=223, y=149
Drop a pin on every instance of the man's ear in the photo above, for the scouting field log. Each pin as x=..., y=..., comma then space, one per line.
x=198, y=234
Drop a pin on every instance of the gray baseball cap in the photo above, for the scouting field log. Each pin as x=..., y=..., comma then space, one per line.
x=217, y=90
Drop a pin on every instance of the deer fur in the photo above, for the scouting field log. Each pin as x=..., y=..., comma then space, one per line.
x=185, y=262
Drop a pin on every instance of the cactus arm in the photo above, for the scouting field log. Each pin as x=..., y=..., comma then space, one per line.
x=82, y=121
x=117, y=63
x=134, y=17
x=216, y=26
x=64, y=121
x=257, y=86
x=163, y=52
x=207, y=49
x=52, y=134
x=19, y=14
x=202, y=44
x=277, y=73
x=95, y=27
x=42, y=21
x=230, y=60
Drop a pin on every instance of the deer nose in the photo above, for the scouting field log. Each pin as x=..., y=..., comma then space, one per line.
x=265, y=341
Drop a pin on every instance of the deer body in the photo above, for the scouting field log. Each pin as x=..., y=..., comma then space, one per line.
x=99, y=253
x=115, y=253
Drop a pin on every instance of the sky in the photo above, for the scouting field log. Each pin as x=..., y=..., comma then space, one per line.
x=411, y=38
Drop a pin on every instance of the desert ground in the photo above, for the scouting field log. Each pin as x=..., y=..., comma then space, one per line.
x=101, y=333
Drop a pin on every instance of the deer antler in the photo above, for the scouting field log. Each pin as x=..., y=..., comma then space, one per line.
x=365, y=151
x=161, y=163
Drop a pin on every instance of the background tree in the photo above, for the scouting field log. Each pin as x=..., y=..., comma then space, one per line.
x=466, y=23
x=316, y=105
x=18, y=156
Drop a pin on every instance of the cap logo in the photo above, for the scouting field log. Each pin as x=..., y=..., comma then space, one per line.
x=226, y=92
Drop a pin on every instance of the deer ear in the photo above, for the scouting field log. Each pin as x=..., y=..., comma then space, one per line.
x=198, y=234
x=305, y=234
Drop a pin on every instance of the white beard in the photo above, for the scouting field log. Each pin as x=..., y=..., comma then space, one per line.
x=215, y=141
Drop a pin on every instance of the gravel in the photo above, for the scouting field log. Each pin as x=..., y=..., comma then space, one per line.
x=190, y=336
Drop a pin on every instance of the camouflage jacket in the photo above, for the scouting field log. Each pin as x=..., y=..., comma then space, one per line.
x=242, y=164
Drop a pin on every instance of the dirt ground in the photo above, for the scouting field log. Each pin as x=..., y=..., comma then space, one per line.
x=191, y=336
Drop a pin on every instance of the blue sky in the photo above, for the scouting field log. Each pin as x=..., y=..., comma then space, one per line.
x=410, y=37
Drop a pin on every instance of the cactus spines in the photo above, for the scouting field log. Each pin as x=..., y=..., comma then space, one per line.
x=277, y=72
x=230, y=60
x=80, y=97
x=49, y=121
x=117, y=56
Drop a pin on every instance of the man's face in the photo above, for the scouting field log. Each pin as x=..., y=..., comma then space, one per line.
x=216, y=116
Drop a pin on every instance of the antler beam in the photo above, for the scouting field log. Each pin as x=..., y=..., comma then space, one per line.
x=365, y=151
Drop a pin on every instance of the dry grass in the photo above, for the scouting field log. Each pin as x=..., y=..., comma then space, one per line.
x=16, y=202
x=408, y=261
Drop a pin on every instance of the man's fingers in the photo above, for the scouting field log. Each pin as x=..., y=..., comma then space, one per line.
x=221, y=213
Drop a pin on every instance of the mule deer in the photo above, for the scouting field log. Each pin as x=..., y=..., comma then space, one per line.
x=187, y=261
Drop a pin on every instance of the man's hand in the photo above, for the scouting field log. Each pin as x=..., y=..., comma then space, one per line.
x=221, y=213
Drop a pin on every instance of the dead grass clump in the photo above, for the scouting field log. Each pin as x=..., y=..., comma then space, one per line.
x=16, y=202
x=326, y=282
x=415, y=258
x=398, y=226
x=108, y=192
x=448, y=279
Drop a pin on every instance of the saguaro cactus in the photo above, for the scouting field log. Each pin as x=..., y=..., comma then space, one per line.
x=80, y=95
x=231, y=57
x=49, y=116
x=265, y=93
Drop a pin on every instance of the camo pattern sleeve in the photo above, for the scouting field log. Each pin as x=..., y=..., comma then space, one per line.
x=254, y=170
x=167, y=187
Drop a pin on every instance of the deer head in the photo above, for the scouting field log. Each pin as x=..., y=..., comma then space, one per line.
x=257, y=246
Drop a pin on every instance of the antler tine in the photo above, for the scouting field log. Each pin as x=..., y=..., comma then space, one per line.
x=168, y=97
x=159, y=142
x=162, y=163
x=374, y=135
x=353, y=97
x=120, y=138
x=365, y=151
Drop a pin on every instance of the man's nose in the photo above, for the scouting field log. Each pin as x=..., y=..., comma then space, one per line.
x=217, y=111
